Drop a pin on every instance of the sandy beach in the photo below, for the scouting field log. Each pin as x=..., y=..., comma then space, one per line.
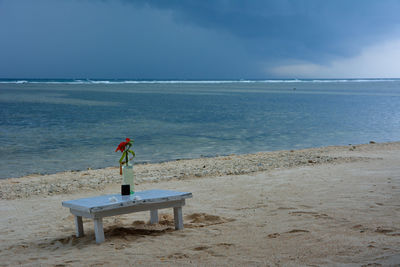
x=324, y=206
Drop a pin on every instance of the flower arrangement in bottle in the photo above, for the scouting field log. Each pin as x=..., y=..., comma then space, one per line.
x=126, y=170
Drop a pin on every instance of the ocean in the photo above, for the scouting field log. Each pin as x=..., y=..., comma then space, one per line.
x=47, y=126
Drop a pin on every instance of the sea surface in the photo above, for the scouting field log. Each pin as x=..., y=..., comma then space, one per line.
x=47, y=126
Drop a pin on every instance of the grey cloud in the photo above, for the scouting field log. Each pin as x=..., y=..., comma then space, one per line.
x=184, y=39
x=304, y=29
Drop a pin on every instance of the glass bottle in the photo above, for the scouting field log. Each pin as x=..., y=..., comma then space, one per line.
x=128, y=176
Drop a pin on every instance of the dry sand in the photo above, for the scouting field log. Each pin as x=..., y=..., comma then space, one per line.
x=327, y=206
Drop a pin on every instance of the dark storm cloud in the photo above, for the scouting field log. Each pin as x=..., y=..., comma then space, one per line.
x=303, y=29
x=107, y=39
x=216, y=39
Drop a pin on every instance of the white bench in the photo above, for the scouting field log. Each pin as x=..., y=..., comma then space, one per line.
x=109, y=205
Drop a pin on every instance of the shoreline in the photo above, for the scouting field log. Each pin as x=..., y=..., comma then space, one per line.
x=97, y=179
x=139, y=163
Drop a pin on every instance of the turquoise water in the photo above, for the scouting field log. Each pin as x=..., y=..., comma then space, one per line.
x=48, y=126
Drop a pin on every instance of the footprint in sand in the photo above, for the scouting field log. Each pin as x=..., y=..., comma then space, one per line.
x=383, y=230
x=387, y=231
x=299, y=213
x=311, y=213
x=297, y=231
x=225, y=245
x=360, y=227
x=203, y=219
x=274, y=235
x=201, y=248
x=177, y=255
x=293, y=231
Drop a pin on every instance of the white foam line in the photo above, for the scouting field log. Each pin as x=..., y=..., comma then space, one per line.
x=197, y=81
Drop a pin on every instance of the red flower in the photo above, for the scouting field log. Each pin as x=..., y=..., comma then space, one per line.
x=121, y=146
x=125, y=148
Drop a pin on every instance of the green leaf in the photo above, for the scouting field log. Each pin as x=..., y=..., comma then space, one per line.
x=133, y=153
x=122, y=157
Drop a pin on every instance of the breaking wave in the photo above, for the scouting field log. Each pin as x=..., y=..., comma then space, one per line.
x=101, y=81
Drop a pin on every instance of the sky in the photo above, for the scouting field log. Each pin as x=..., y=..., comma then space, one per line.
x=199, y=39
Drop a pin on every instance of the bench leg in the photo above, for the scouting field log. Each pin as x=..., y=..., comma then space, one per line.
x=98, y=230
x=178, y=219
x=78, y=226
x=153, y=216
